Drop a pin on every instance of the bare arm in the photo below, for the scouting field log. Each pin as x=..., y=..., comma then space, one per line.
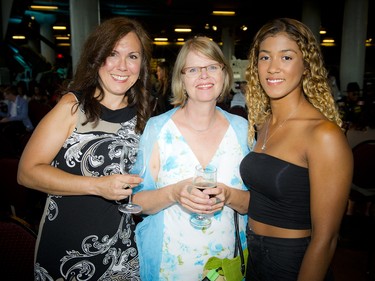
x=237, y=199
x=330, y=168
x=36, y=172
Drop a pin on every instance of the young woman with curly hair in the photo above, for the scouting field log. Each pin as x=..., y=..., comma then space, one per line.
x=299, y=172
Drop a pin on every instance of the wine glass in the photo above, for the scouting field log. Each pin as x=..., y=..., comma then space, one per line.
x=139, y=168
x=205, y=177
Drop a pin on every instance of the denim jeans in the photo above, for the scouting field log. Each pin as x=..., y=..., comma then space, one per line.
x=275, y=259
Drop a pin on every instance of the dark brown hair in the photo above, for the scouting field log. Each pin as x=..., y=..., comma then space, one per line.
x=96, y=49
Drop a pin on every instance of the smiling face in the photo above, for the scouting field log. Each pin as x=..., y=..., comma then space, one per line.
x=121, y=69
x=206, y=86
x=280, y=66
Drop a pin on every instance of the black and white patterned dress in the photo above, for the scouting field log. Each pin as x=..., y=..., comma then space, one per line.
x=86, y=237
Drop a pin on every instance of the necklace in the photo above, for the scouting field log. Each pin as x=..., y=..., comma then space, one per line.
x=212, y=122
x=266, y=138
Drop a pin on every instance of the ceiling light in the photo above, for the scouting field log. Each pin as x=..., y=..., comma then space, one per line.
x=180, y=39
x=244, y=28
x=329, y=42
x=223, y=13
x=161, y=39
x=57, y=27
x=18, y=37
x=62, y=37
x=214, y=27
x=158, y=43
x=49, y=8
x=182, y=30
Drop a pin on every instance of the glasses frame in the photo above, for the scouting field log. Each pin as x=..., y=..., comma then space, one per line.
x=199, y=72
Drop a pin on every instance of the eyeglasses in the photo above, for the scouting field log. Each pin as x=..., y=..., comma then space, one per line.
x=194, y=71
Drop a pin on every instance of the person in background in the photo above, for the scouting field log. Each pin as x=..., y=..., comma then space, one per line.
x=299, y=172
x=195, y=132
x=3, y=102
x=16, y=119
x=162, y=95
x=74, y=157
x=22, y=90
x=238, y=103
x=239, y=97
x=354, y=107
x=37, y=93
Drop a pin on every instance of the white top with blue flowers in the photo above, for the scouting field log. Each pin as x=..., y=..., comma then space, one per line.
x=186, y=249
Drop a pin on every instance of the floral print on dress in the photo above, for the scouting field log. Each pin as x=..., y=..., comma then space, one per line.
x=185, y=249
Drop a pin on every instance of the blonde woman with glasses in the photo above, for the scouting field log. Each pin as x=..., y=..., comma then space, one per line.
x=195, y=132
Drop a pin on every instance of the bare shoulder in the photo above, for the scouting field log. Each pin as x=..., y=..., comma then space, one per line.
x=326, y=132
x=62, y=116
x=69, y=99
x=52, y=131
x=65, y=108
x=327, y=138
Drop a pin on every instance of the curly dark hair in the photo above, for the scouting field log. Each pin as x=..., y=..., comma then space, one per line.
x=96, y=49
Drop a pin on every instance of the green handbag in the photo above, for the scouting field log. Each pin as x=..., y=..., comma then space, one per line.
x=234, y=269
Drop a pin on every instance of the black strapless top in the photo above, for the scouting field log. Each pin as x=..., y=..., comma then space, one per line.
x=280, y=191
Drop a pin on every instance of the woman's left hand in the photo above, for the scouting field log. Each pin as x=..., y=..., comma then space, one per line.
x=217, y=197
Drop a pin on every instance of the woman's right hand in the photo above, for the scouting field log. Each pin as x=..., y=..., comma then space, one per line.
x=192, y=198
x=116, y=187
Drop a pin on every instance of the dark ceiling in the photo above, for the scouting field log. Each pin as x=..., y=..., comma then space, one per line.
x=160, y=17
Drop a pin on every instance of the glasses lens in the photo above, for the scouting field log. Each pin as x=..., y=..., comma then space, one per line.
x=194, y=71
x=213, y=68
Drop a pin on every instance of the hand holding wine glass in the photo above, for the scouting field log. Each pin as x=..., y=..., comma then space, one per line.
x=205, y=177
x=139, y=168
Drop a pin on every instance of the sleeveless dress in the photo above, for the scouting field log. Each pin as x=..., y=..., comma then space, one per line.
x=86, y=237
x=186, y=249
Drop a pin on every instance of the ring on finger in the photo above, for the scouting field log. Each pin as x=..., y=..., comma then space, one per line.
x=126, y=186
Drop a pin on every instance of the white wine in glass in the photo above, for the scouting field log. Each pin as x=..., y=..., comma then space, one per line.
x=139, y=168
x=205, y=177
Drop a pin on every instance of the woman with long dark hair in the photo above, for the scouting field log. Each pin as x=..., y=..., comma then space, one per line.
x=74, y=156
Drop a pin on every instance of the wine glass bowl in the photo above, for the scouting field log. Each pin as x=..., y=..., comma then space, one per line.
x=139, y=168
x=205, y=177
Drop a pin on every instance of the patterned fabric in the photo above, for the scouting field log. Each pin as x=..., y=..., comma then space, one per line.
x=86, y=237
x=184, y=249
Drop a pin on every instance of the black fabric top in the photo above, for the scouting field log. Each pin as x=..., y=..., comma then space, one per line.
x=280, y=191
x=86, y=235
x=119, y=115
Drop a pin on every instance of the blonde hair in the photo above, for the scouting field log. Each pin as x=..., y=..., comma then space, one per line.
x=209, y=49
x=315, y=85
